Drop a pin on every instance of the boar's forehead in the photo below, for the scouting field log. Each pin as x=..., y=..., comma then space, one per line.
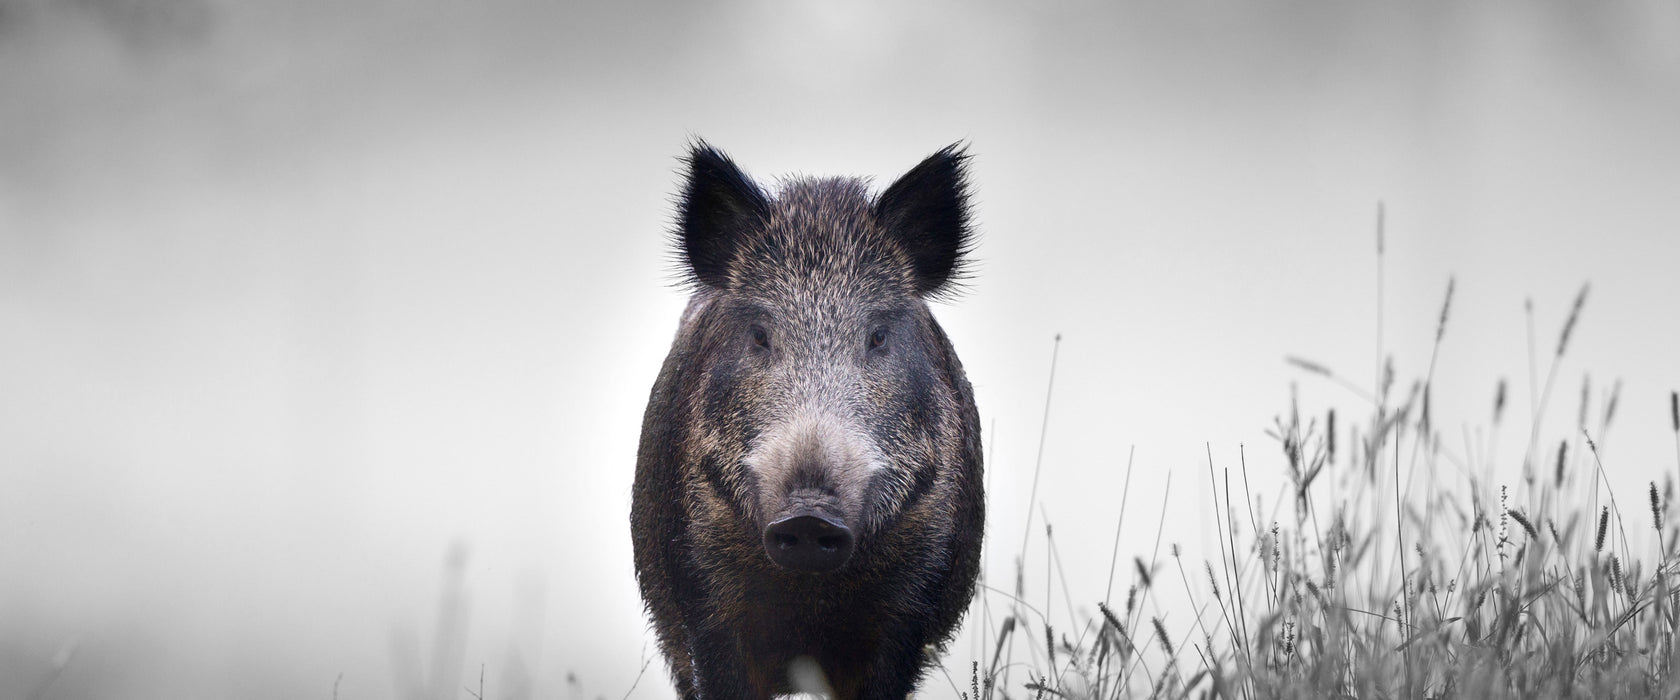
x=821, y=251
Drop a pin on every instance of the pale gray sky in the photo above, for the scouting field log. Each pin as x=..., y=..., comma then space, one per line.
x=293, y=298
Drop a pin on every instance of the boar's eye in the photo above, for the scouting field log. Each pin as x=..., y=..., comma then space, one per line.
x=760, y=337
x=878, y=338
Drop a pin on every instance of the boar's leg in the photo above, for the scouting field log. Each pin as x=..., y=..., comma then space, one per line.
x=897, y=665
x=721, y=668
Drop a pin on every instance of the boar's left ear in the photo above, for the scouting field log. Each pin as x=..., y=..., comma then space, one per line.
x=927, y=211
x=719, y=203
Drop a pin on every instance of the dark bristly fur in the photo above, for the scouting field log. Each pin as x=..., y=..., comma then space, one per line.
x=808, y=375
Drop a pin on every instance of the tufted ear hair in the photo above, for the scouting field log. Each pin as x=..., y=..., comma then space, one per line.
x=926, y=210
x=719, y=205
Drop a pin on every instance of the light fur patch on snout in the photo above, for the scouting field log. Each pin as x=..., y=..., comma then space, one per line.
x=812, y=460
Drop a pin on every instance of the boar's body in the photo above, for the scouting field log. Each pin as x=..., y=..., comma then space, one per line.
x=808, y=483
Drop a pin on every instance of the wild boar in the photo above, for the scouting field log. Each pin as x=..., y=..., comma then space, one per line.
x=808, y=483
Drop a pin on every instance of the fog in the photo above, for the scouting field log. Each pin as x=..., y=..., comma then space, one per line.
x=326, y=327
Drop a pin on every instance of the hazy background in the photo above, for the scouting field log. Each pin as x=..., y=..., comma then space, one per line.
x=297, y=298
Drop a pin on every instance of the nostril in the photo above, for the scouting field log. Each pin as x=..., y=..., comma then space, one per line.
x=808, y=543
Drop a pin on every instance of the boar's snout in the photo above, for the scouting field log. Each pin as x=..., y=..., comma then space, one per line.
x=808, y=541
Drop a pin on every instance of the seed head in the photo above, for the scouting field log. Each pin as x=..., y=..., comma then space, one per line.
x=1574, y=314
x=1161, y=631
x=1330, y=435
x=1656, y=508
x=1527, y=526
x=1563, y=451
x=1109, y=616
x=1277, y=549
x=1603, y=526
x=1441, y=328
x=1307, y=365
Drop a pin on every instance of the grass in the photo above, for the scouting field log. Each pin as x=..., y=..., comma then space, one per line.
x=1391, y=566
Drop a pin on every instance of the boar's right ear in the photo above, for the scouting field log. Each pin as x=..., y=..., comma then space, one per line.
x=719, y=203
x=927, y=211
